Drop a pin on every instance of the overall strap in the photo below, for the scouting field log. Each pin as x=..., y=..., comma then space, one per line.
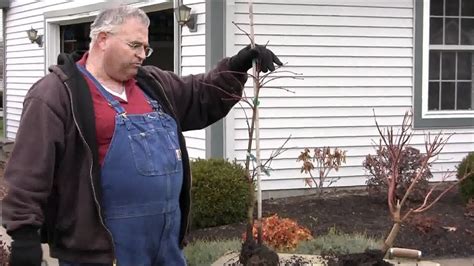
x=154, y=104
x=110, y=99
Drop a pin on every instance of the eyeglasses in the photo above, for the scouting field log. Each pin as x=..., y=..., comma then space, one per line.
x=136, y=46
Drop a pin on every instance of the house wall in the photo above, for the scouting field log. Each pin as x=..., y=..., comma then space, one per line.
x=356, y=57
x=2, y=63
x=193, y=61
x=26, y=62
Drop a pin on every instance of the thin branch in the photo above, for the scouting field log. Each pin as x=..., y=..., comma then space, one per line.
x=278, y=71
x=231, y=95
x=246, y=33
x=430, y=192
x=333, y=180
x=382, y=135
x=263, y=76
x=246, y=117
x=277, y=152
x=432, y=150
x=426, y=207
x=280, y=88
x=278, y=77
x=286, y=71
x=236, y=73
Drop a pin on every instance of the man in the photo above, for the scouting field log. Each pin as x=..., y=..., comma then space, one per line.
x=100, y=163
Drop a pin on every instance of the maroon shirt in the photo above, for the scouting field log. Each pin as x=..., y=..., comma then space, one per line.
x=105, y=114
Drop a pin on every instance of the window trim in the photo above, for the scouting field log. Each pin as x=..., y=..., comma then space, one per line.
x=422, y=117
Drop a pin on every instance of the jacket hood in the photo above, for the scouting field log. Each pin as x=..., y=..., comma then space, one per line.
x=64, y=68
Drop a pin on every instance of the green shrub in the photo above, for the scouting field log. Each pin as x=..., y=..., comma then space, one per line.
x=467, y=185
x=204, y=252
x=220, y=193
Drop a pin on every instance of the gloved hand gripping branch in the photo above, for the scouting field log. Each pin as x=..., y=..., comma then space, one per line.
x=242, y=61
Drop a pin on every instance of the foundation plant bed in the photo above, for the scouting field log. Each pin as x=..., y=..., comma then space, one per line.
x=445, y=231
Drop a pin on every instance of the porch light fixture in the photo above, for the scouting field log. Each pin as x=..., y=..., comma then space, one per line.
x=184, y=17
x=35, y=37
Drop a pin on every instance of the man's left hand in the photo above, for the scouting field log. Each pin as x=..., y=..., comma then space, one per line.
x=242, y=61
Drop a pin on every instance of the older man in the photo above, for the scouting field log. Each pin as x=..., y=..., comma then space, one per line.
x=100, y=162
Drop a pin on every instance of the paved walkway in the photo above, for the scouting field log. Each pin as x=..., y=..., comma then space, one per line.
x=456, y=262
x=232, y=258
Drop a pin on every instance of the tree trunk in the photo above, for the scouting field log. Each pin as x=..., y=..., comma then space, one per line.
x=250, y=209
x=388, y=243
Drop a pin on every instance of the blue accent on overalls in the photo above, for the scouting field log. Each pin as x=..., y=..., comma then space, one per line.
x=142, y=176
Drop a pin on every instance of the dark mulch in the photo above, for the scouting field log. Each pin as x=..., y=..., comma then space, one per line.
x=444, y=231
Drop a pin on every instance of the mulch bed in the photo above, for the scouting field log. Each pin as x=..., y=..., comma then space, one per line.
x=444, y=231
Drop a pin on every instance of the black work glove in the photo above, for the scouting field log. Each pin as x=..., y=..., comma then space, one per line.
x=242, y=61
x=26, y=247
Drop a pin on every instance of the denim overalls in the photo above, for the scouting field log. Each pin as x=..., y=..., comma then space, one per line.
x=141, y=181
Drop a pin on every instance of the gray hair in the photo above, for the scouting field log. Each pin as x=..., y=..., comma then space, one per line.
x=109, y=19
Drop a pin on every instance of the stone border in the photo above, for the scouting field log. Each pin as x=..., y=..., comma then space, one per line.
x=232, y=259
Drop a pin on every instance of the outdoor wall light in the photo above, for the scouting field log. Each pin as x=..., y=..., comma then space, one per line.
x=184, y=17
x=35, y=37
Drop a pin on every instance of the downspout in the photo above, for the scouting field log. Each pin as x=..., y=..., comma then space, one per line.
x=215, y=51
x=4, y=63
x=177, y=42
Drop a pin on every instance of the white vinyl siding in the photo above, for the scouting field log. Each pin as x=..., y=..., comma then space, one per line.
x=355, y=57
x=25, y=61
x=2, y=61
x=193, y=61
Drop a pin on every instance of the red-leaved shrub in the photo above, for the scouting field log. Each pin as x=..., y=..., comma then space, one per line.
x=282, y=234
x=379, y=167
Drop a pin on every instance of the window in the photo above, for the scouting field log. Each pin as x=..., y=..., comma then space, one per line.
x=451, y=55
x=75, y=37
x=444, y=94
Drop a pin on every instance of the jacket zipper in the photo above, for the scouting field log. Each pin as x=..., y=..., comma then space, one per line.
x=190, y=175
x=90, y=171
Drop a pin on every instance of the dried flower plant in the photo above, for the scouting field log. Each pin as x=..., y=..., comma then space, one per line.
x=324, y=160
